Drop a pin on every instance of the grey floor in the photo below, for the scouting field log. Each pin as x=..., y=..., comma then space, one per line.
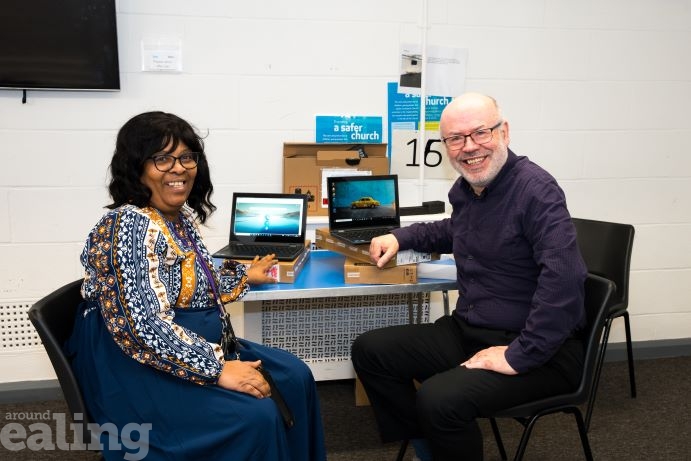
x=654, y=426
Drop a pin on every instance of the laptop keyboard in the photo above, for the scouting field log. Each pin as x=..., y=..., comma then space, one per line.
x=361, y=235
x=249, y=251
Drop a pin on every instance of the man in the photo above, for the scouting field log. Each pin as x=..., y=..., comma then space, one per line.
x=520, y=276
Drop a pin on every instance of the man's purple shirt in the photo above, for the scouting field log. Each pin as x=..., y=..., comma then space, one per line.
x=518, y=263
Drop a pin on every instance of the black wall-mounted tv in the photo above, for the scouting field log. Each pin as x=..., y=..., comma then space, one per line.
x=59, y=45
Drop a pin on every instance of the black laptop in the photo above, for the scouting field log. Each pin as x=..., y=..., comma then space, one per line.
x=362, y=207
x=263, y=223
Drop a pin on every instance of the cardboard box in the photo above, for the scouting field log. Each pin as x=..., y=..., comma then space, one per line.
x=358, y=272
x=287, y=271
x=307, y=165
x=324, y=240
x=361, y=399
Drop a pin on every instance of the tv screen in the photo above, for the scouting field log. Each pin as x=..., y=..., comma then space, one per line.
x=64, y=45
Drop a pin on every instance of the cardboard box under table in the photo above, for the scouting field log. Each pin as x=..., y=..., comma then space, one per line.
x=307, y=165
x=359, y=272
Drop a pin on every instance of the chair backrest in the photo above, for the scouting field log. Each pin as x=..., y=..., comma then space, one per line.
x=597, y=294
x=53, y=318
x=606, y=249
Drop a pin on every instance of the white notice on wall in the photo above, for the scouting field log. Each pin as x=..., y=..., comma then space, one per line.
x=161, y=54
x=445, y=70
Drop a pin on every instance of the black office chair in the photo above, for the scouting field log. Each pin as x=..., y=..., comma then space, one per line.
x=606, y=249
x=598, y=291
x=597, y=294
x=53, y=318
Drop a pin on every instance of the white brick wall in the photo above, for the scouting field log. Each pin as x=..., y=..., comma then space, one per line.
x=597, y=91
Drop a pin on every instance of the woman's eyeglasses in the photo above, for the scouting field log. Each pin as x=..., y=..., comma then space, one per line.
x=166, y=162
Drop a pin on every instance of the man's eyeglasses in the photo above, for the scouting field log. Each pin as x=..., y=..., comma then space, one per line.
x=166, y=162
x=483, y=136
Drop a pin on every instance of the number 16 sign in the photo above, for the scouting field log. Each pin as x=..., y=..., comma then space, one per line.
x=407, y=156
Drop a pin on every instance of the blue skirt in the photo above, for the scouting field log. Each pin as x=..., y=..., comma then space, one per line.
x=148, y=414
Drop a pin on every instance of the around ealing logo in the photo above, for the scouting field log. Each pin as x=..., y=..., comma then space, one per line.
x=21, y=432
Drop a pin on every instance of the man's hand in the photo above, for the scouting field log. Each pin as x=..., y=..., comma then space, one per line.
x=382, y=249
x=492, y=359
x=258, y=272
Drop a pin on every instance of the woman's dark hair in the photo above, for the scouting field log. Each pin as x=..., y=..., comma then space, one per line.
x=141, y=137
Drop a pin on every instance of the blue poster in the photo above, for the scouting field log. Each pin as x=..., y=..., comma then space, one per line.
x=349, y=129
x=404, y=111
x=405, y=108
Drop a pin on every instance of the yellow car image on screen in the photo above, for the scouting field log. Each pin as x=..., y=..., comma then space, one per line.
x=365, y=202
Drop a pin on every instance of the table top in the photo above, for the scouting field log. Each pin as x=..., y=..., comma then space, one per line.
x=322, y=276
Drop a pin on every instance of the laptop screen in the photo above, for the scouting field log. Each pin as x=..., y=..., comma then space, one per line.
x=363, y=201
x=264, y=217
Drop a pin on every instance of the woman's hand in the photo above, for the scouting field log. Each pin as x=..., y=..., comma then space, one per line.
x=244, y=377
x=258, y=272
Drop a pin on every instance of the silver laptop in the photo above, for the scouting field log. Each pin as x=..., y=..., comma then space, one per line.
x=263, y=223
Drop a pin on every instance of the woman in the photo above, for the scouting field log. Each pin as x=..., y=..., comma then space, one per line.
x=152, y=344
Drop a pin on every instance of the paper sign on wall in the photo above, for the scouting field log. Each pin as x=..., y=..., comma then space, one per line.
x=444, y=69
x=349, y=129
x=405, y=154
x=161, y=54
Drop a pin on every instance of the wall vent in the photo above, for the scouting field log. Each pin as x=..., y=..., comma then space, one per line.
x=320, y=330
x=17, y=330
